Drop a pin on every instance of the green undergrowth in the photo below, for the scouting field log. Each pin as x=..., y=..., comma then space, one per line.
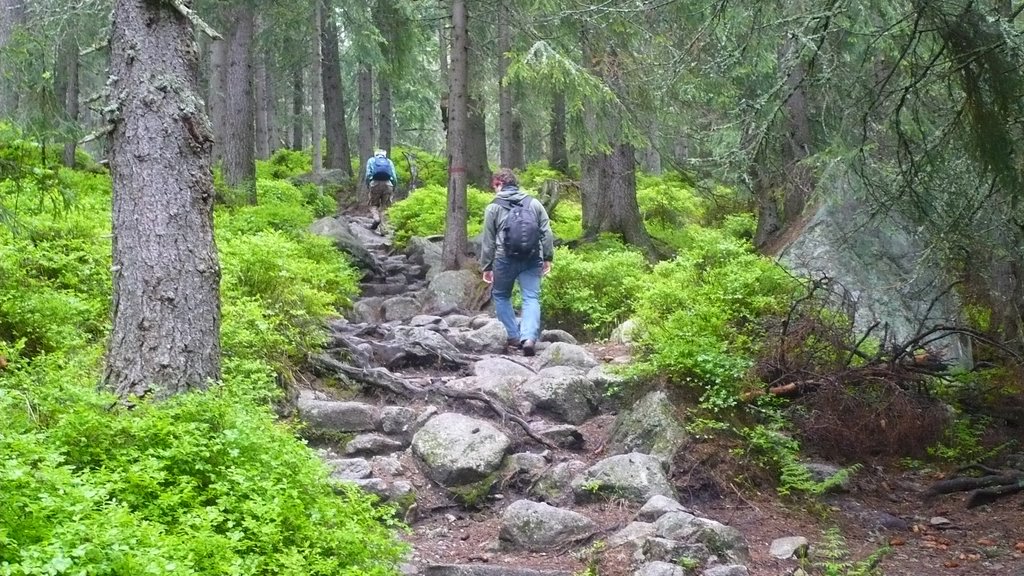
x=206, y=483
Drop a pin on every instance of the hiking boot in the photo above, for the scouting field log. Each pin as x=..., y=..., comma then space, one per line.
x=514, y=343
x=528, y=348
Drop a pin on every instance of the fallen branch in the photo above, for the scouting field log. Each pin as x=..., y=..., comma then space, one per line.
x=191, y=16
x=986, y=488
x=383, y=378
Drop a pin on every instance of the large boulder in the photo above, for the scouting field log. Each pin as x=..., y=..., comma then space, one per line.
x=536, y=526
x=334, y=416
x=456, y=449
x=339, y=232
x=882, y=266
x=649, y=426
x=425, y=252
x=634, y=477
x=564, y=392
x=453, y=290
x=723, y=540
x=489, y=338
x=565, y=354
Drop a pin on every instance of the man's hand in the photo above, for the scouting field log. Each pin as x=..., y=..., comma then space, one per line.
x=488, y=276
x=545, y=268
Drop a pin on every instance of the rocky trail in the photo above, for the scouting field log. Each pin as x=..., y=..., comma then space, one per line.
x=505, y=465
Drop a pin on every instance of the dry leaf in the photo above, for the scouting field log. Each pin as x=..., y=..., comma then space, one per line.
x=897, y=541
x=986, y=542
x=1019, y=547
x=951, y=564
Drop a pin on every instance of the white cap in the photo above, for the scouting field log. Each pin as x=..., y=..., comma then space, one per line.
x=380, y=152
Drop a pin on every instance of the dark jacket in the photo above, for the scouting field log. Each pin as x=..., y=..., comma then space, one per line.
x=492, y=242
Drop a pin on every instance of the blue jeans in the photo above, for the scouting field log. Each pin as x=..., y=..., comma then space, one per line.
x=506, y=272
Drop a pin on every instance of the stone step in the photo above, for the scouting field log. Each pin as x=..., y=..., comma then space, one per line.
x=485, y=570
x=371, y=289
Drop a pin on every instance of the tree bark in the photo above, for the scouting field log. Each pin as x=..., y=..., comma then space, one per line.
x=240, y=111
x=260, y=79
x=364, y=84
x=443, y=66
x=66, y=90
x=505, y=148
x=797, y=142
x=270, y=94
x=385, y=116
x=166, y=305
x=558, y=154
x=12, y=15
x=316, y=91
x=454, y=247
x=478, y=171
x=298, y=108
x=216, y=105
x=338, y=154
x=518, y=144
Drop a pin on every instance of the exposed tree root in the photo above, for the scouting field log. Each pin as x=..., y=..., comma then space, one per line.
x=384, y=378
x=986, y=489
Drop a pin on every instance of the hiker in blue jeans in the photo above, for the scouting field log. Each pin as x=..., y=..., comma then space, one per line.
x=517, y=245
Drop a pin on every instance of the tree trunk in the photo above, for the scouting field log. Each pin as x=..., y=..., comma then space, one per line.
x=478, y=171
x=338, y=154
x=621, y=212
x=12, y=15
x=240, y=113
x=518, y=144
x=651, y=155
x=454, y=248
x=316, y=91
x=559, y=153
x=385, y=119
x=298, y=108
x=797, y=140
x=260, y=78
x=273, y=140
x=165, y=337
x=216, y=105
x=66, y=90
x=505, y=136
x=442, y=57
x=364, y=83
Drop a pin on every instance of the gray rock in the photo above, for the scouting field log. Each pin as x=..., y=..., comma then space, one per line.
x=536, y=526
x=332, y=416
x=485, y=570
x=564, y=354
x=453, y=289
x=480, y=320
x=603, y=375
x=397, y=420
x=525, y=462
x=367, y=310
x=489, y=338
x=555, y=485
x=649, y=426
x=660, y=569
x=424, y=252
x=634, y=533
x=658, y=506
x=496, y=368
x=456, y=449
x=726, y=570
x=409, y=346
x=457, y=320
x=399, y=308
x=374, y=486
x=563, y=392
x=389, y=465
x=634, y=477
x=557, y=336
x=426, y=321
x=503, y=391
x=885, y=268
x=789, y=547
x=350, y=469
x=624, y=333
x=562, y=435
x=371, y=444
x=339, y=232
x=822, y=471
x=665, y=550
x=721, y=539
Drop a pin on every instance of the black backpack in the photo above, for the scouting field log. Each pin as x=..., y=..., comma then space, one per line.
x=381, y=168
x=522, y=230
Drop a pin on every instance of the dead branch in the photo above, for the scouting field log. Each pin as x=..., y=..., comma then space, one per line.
x=986, y=489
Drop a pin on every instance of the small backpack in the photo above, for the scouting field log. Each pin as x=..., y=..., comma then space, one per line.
x=522, y=230
x=381, y=168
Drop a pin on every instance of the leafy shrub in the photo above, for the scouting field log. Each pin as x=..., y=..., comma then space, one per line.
x=423, y=212
x=537, y=173
x=592, y=290
x=284, y=163
x=201, y=484
x=567, y=220
x=700, y=314
x=431, y=170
